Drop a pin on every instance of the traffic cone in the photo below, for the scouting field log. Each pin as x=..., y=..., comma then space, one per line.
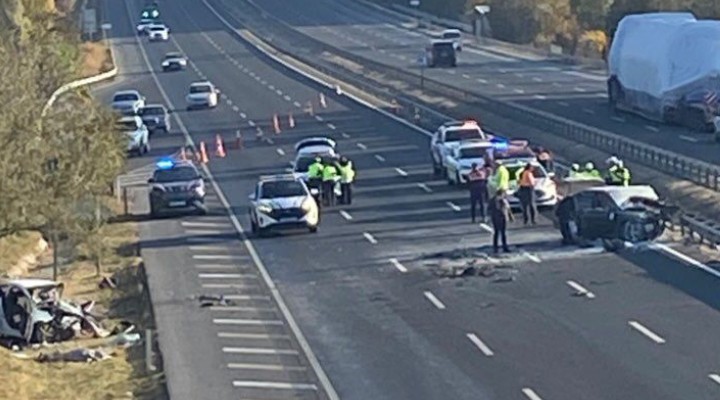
x=309, y=108
x=276, y=123
x=291, y=121
x=203, y=153
x=323, y=103
x=238, y=140
x=219, y=147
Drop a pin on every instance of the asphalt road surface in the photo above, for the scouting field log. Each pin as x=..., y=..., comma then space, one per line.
x=572, y=92
x=370, y=290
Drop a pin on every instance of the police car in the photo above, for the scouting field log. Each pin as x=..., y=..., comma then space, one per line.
x=176, y=187
x=515, y=158
x=460, y=160
x=283, y=202
x=449, y=136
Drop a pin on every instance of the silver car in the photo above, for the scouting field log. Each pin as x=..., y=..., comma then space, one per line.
x=202, y=94
x=128, y=102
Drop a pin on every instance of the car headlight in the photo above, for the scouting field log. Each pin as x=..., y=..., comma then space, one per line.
x=264, y=208
x=307, y=205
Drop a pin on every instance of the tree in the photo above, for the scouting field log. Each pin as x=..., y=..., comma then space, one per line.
x=590, y=13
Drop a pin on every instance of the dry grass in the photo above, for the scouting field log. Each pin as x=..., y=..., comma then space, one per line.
x=18, y=252
x=121, y=377
x=96, y=58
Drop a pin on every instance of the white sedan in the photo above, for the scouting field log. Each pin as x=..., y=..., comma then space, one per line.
x=143, y=25
x=460, y=160
x=545, y=187
x=202, y=94
x=283, y=202
x=158, y=32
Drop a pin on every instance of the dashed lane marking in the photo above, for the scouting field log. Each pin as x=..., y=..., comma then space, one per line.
x=579, y=89
x=227, y=276
x=434, y=300
x=618, y=119
x=236, y=321
x=379, y=158
x=588, y=111
x=540, y=97
x=297, y=104
x=280, y=151
x=500, y=86
x=486, y=227
x=346, y=215
x=216, y=266
x=246, y=297
x=424, y=187
x=205, y=224
x=319, y=118
x=647, y=332
x=398, y=265
x=274, y=385
x=271, y=87
x=480, y=80
x=266, y=367
x=255, y=336
x=345, y=135
x=362, y=146
x=480, y=344
x=369, y=238
x=243, y=115
x=688, y=138
x=536, y=79
x=287, y=98
x=519, y=91
x=331, y=126
x=251, y=123
x=530, y=394
x=401, y=172
x=580, y=290
x=652, y=128
x=715, y=378
x=235, y=108
x=564, y=103
x=217, y=257
x=466, y=76
x=454, y=206
x=259, y=350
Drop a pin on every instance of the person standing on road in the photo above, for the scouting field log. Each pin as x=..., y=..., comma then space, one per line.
x=501, y=177
x=478, y=185
x=526, y=193
x=347, y=176
x=500, y=214
x=329, y=177
x=545, y=159
x=315, y=174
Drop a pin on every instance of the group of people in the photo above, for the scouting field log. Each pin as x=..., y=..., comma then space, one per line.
x=323, y=175
x=616, y=174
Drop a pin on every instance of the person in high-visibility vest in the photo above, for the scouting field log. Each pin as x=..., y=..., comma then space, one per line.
x=347, y=177
x=315, y=174
x=619, y=175
x=329, y=176
x=526, y=193
x=590, y=171
x=575, y=170
x=501, y=177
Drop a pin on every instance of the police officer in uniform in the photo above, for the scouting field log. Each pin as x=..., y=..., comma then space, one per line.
x=526, y=193
x=478, y=185
x=315, y=175
x=347, y=176
x=329, y=175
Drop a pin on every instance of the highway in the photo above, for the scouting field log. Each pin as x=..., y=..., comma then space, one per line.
x=369, y=290
x=572, y=92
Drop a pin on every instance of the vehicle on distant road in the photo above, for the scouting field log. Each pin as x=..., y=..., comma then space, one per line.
x=455, y=35
x=441, y=53
x=460, y=159
x=174, y=62
x=202, y=94
x=158, y=32
x=138, y=136
x=176, y=187
x=614, y=214
x=156, y=117
x=315, y=144
x=143, y=25
x=283, y=202
x=449, y=136
x=128, y=102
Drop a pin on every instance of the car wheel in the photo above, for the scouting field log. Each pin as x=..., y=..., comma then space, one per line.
x=145, y=148
x=457, y=178
x=44, y=332
x=633, y=232
x=449, y=178
x=313, y=229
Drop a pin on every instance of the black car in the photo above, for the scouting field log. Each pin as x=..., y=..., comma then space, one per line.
x=176, y=187
x=155, y=117
x=612, y=214
x=441, y=53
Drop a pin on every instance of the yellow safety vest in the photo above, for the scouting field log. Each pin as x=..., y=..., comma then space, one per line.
x=347, y=172
x=502, y=178
x=315, y=170
x=329, y=172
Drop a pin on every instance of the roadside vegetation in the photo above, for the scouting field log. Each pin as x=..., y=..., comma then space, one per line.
x=580, y=27
x=57, y=169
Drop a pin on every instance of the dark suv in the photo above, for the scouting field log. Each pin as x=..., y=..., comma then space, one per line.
x=176, y=186
x=441, y=53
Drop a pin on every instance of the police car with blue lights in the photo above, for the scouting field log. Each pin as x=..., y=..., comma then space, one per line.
x=176, y=187
x=282, y=202
x=515, y=155
x=449, y=136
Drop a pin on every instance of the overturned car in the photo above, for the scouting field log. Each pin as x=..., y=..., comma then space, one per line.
x=613, y=214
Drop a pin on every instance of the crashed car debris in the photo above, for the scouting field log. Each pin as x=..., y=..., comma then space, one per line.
x=33, y=311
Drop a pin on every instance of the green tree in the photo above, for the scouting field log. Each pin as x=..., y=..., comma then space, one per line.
x=590, y=13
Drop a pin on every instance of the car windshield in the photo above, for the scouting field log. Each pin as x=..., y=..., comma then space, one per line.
x=175, y=174
x=125, y=97
x=316, y=142
x=440, y=47
x=538, y=172
x=457, y=135
x=172, y=55
x=129, y=125
x=451, y=35
x=153, y=111
x=473, y=152
x=271, y=190
x=157, y=28
x=200, y=89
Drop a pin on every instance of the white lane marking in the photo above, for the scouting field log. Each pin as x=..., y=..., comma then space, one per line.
x=401, y=172
x=424, y=187
x=674, y=253
x=235, y=108
x=246, y=297
x=234, y=286
x=466, y=76
x=647, y=332
x=500, y=86
x=243, y=309
x=274, y=385
x=205, y=224
x=362, y=146
x=715, y=378
x=652, y=128
x=618, y=119
x=209, y=248
x=297, y=104
x=531, y=257
x=216, y=266
x=519, y=91
x=396, y=264
x=688, y=138
x=280, y=151
x=564, y=103
x=216, y=257
x=581, y=289
x=369, y=238
x=229, y=102
x=265, y=367
x=287, y=98
x=345, y=215
x=319, y=118
x=236, y=321
x=530, y=394
x=279, y=92
x=454, y=206
x=579, y=89
x=379, y=158
x=588, y=111
x=251, y=123
x=331, y=126
x=540, y=97
x=258, y=350
x=227, y=276
x=586, y=76
x=519, y=75
x=271, y=87
x=451, y=72
x=481, y=80
x=192, y=231
x=345, y=135
x=486, y=227
x=256, y=336
x=536, y=79
x=243, y=115
x=434, y=300
x=480, y=345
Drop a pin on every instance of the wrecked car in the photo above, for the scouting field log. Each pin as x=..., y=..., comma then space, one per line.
x=33, y=311
x=613, y=214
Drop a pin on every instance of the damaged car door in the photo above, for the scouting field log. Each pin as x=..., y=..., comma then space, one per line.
x=598, y=217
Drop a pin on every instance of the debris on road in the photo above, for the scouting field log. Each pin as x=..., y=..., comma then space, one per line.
x=211, y=300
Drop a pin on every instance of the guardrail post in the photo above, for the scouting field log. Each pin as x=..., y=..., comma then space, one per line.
x=149, y=367
x=125, y=200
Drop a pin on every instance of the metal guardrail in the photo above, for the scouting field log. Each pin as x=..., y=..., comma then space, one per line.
x=696, y=171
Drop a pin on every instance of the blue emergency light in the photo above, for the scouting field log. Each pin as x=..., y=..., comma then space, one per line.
x=499, y=144
x=165, y=163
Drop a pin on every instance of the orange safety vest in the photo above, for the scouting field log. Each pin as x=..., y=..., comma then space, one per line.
x=527, y=179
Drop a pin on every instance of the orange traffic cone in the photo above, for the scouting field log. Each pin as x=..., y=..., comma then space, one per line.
x=291, y=121
x=238, y=140
x=203, y=153
x=323, y=103
x=276, y=123
x=219, y=147
x=309, y=108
